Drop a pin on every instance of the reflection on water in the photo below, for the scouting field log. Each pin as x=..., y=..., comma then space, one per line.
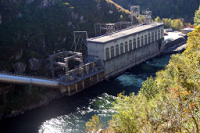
x=128, y=80
x=69, y=114
x=75, y=122
x=101, y=105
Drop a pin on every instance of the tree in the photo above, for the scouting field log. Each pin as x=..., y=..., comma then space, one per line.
x=149, y=88
x=168, y=103
x=169, y=23
x=197, y=17
x=157, y=19
x=121, y=17
x=142, y=19
x=177, y=24
x=93, y=125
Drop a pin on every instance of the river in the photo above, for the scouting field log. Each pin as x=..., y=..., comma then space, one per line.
x=69, y=114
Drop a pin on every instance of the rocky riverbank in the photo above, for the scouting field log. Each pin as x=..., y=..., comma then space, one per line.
x=175, y=49
x=45, y=100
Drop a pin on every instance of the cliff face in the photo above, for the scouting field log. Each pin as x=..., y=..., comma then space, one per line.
x=32, y=29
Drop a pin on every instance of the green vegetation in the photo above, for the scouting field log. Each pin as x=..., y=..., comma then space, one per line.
x=197, y=17
x=119, y=8
x=39, y=31
x=157, y=19
x=35, y=29
x=93, y=125
x=176, y=24
x=16, y=98
x=165, y=8
x=170, y=102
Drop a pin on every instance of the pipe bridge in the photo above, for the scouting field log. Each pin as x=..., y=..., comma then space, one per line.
x=71, y=81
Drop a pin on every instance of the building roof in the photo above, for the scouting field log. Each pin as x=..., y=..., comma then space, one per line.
x=122, y=33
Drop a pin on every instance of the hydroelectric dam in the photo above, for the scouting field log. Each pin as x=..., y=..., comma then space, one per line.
x=108, y=55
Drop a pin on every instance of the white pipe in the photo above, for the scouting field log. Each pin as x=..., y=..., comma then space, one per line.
x=27, y=81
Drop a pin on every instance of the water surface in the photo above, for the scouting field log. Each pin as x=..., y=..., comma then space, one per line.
x=69, y=114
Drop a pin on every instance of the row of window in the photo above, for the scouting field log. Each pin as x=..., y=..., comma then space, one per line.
x=140, y=42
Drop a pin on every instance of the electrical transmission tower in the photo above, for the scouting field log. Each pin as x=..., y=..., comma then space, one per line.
x=148, y=15
x=80, y=42
x=135, y=11
x=101, y=29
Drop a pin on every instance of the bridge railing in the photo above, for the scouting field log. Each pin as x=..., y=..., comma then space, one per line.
x=72, y=75
x=81, y=72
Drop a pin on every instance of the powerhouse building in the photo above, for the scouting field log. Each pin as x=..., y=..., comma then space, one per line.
x=126, y=48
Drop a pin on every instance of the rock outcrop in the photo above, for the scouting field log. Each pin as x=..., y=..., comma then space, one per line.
x=34, y=64
x=46, y=3
x=19, y=67
x=19, y=55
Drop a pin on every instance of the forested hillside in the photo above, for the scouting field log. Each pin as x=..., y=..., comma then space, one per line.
x=166, y=8
x=30, y=30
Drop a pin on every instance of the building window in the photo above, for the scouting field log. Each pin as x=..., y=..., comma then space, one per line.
x=162, y=33
x=149, y=38
x=107, y=54
x=130, y=45
x=159, y=34
x=138, y=42
x=142, y=41
x=117, y=50
x=145, y=40
x=156, y=36
x=152, y=37
x=112, y=52
x=121, y=48
x=126, y=47
x=134, y=43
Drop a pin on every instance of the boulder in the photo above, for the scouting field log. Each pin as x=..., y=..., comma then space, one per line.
x=34, y=64
x=19, y=15
x=19, y=67
x=19, y=55
x=46, y=3
x=69, y=23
